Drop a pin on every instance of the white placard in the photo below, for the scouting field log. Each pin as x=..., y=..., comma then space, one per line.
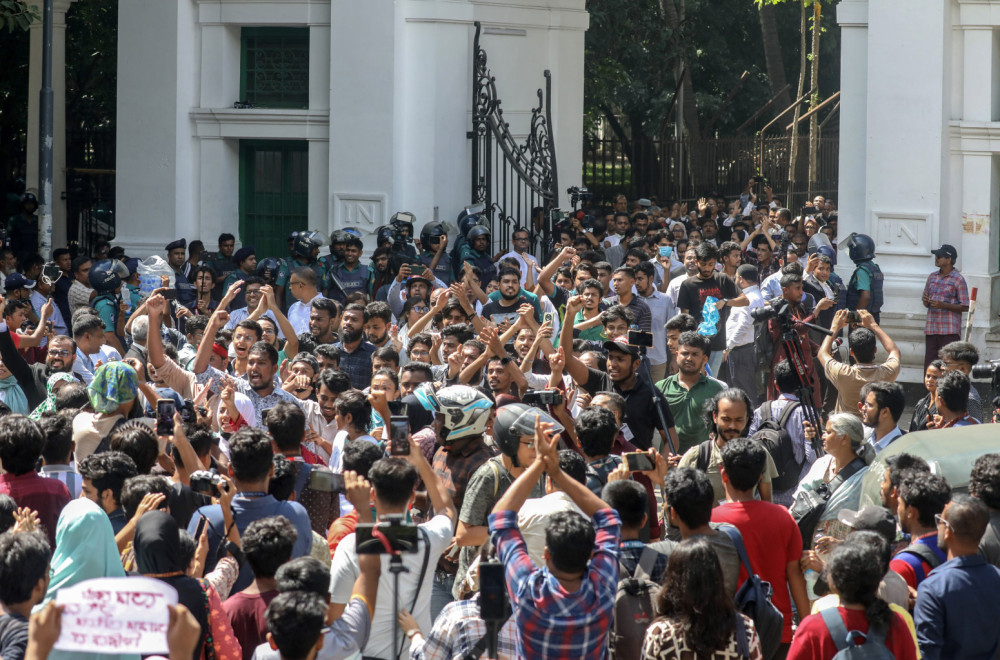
x=116, y=615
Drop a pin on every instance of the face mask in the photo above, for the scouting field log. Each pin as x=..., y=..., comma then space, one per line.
x=666, y=250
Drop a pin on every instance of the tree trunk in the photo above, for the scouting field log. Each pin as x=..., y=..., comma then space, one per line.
x=814, y=99
x=793, y=157
x=689, y=105
x=772, y=56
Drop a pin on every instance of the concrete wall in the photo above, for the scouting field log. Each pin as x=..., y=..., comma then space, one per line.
x=389, y=108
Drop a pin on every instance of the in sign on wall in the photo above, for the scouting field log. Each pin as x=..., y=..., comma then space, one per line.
x=904, y=234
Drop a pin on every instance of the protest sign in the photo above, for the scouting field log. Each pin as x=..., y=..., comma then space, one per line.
x=116, y=615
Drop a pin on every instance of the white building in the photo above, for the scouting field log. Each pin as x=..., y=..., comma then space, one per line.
x=361, y=109
x=920, y=151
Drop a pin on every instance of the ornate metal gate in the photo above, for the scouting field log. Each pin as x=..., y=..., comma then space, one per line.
x=517, y=183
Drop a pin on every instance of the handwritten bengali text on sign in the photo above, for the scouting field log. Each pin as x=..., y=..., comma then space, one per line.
x=116, y=615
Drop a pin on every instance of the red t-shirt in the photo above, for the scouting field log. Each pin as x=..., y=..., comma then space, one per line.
x=246, y=615
x=905, y=567
x=772, y=540
x=813, y=641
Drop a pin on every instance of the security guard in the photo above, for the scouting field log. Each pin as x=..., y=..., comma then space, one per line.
x=186, y=295
x=305, y=252
x=477, y=252
x=864, y=291
x=245, y=260
x=433, y=245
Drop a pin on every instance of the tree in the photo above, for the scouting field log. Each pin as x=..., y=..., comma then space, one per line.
x=16, y=14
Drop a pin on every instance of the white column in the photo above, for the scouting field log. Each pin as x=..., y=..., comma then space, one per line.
x=59, y=9
x=977, y=87
x=852, y=16
x=976, y=252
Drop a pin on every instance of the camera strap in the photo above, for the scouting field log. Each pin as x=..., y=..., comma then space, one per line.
x=420, y=581
x=302, y=479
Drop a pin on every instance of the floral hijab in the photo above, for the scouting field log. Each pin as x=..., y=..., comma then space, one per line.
x=114, y=383
x=50, y=400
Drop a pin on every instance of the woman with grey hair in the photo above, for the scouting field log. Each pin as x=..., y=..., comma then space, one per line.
x=843, y=442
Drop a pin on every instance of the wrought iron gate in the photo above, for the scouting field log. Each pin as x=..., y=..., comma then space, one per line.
x=517, y=183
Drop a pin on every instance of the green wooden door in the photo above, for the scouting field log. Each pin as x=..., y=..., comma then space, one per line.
x=274, y=194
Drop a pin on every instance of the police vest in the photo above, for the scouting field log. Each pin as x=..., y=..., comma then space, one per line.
x=352, y=281
x=109, y=299
x=485, y=265
x=877, y=281
x=443, y=269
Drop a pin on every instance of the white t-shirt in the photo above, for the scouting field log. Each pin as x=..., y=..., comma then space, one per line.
x=534, y=516
x=337, y=463
x=344, y=571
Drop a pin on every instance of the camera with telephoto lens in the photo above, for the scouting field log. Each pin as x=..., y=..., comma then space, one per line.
x=326, y=481
x=205, y=482
x=986, y=370
x=771, y=311
x=543, y=398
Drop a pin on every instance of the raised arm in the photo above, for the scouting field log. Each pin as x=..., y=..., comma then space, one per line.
x=436, y=490
x=547, y=273
x=204, y=354
x=424, y=320
x=824, y=354
x=291, y=339
x=477, y=291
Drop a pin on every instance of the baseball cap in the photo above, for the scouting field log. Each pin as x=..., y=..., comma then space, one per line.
x=871, y=518
x=946, y=251
x=18, y=281
x=621, y=344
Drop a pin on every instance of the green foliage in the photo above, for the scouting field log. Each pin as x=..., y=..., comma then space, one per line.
x=16, y=14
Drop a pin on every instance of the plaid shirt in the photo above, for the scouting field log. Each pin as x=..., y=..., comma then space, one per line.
x=550, y=622
x=454, y=467
x=357, y=364
x=456, y=632
x=950, y=288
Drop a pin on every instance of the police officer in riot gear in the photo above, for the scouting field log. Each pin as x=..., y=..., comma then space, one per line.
x=864, y=291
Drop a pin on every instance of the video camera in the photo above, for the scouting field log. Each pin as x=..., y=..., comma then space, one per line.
x=392, y=535
x=543, y=398
x=578, y=194
x=205, y=482
x=782, y=312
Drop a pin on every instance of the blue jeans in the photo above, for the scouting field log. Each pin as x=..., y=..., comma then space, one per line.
x=715, y=364
x=441, y=594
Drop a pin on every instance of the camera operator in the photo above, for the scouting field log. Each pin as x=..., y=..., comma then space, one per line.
x=791, y=305
x=850, y=378
x=394, y=482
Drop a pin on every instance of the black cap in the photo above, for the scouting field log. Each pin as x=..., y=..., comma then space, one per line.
x=180, y=243
x=946, y=251
x=242, y=253
x=871, y=518
x=621, y=344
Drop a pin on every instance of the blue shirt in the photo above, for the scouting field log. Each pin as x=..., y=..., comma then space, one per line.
x=956, y=610
x=245, y=511
x=357, y=364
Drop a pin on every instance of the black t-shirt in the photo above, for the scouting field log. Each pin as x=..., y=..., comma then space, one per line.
x=692, y=295
x=558, y=299
x=183, y=502
x=13, y=636
x=497, y=313
x=640, y=415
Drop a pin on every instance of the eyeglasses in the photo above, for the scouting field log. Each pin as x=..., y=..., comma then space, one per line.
x=939, y=520
x=55, y=353
x=421, y=310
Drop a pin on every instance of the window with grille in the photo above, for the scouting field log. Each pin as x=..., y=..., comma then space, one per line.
x=275, y=67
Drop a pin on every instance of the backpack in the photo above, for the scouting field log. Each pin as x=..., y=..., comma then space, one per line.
x=848, y=648
x=924, y=552
x=773, y=434
x=753, y=598
x=634, y=608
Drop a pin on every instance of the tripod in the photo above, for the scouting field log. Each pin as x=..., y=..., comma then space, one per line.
x=792, y=345
x=396, y=568
x=658, y=400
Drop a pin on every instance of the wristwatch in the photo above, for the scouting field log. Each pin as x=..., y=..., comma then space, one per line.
x=725, y=302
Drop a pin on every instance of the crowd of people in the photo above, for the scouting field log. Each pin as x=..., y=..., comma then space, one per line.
x=645, y=437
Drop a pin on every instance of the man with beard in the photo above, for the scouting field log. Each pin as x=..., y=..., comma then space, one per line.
x=881, y=407
x=323, y=321
x=687, y=391
x=622, y=377
x=382, y=274
x=922, y=497
x=176, y=256
x=33, y=379
x=505, y=309
x=956, y=604
x=377, y=326
x=259, y=385
x=355, y=352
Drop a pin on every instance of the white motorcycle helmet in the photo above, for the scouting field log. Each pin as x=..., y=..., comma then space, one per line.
x=465, y=410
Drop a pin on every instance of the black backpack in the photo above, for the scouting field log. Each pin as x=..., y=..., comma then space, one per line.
x=753, y=598
x=634, y=608
x=773, y=434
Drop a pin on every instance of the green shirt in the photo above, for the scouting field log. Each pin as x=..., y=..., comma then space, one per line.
x=595, y=333
x=686, y=407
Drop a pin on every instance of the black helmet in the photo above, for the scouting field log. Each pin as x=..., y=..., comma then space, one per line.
x=514, y=421
x=107, y=275
x=860, y=247
x=475, y=209
x=401, y=220
x=466, y=224
x=385, y=235
x=29, y=198
x=268, y=269
x=304, y=245
x=476, y=232
x=431, y=234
